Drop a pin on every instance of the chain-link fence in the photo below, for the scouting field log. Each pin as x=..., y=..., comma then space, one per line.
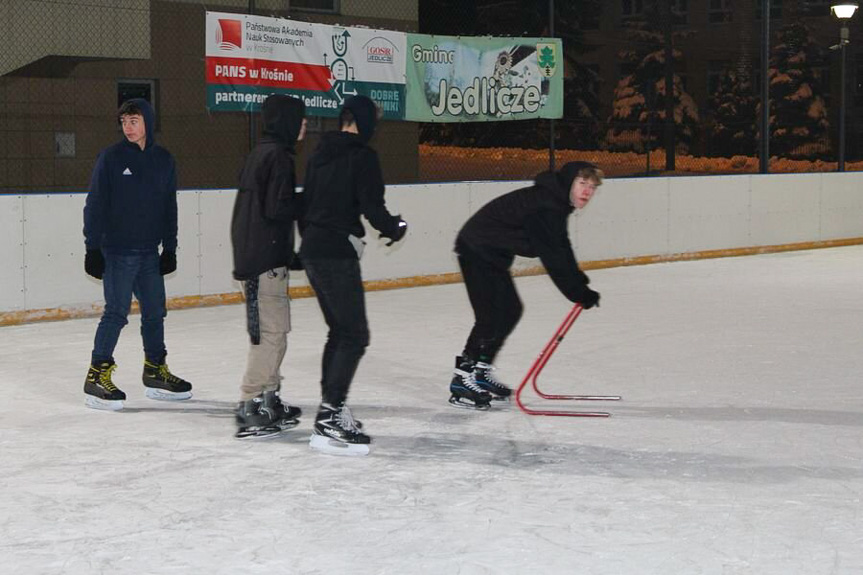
x=65, y=66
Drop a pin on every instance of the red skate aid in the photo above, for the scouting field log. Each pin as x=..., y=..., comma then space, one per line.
x=540, y=362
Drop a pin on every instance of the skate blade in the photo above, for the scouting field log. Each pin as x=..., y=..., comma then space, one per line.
x=289, y=424
x=164, y=395
x=503, y=398
x=257, y=435
x=103, y=404
x=334, y=447
x=463, y=403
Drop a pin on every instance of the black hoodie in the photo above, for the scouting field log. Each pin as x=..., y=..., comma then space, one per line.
x=262, y=231
x=343, y=182
x=529, y=222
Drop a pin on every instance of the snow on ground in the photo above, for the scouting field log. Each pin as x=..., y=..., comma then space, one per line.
x=736, y=449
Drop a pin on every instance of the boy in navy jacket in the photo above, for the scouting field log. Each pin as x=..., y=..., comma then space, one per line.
x=131, y=209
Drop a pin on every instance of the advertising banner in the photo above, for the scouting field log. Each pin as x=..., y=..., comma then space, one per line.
x=250, y=57
x=464, y=79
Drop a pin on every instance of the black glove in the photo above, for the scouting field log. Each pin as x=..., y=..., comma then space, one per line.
x=296, y=263
x=94, y=263
x=588, y=298
x=167, y=262
x=399, y=233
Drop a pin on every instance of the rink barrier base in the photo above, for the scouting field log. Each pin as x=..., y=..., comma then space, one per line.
x=186, y=302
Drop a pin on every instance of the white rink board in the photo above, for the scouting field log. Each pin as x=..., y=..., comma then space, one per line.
x=54, y=252
x=12, y=253
x=628, y=218
x=840, y=216
x=786, y=208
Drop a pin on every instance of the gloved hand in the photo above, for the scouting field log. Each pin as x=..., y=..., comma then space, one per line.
x=588, y=298
x=399, y=233
x=167, y=262
x=296, y=263
x=94, y=263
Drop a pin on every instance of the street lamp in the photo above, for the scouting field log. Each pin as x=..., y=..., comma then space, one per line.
x=844, y=11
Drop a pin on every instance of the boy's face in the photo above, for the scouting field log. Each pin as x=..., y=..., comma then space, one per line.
x=134, y=129
x=581, y=191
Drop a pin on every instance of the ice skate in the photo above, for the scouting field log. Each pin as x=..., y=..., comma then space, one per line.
x=484, y=377
x=254, y=421
x=336, y=432
x=285, y=416
x=100, y=391
x=163, y=385
x=464, y=389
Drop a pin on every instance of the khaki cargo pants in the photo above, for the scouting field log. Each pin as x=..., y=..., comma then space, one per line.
x=263, y=369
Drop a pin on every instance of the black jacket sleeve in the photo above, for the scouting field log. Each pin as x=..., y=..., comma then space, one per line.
x=549, y=236
x=279, y=190
x=370, y=193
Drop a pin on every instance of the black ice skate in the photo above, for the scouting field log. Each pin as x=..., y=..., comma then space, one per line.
x=164, y=385
x=286, y=416
x=255, y=422
x=336, y=432
x=484, y=377
x=464, y=389
x=100, y=391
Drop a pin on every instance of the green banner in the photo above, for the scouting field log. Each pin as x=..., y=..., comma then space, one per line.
x=462, y=79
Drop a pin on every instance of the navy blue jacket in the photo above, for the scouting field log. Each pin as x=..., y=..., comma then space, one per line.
x=132, y=203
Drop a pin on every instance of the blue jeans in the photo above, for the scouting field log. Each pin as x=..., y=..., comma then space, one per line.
x=127, y=274
x=339, y=288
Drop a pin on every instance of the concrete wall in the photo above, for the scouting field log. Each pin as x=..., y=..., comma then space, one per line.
x=629, y=221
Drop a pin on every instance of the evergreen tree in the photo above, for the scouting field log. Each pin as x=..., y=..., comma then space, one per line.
x=733, y=129
x=638, y=111
x=798, y=117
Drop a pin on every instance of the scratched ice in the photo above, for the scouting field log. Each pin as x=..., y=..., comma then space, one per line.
x=737, y=448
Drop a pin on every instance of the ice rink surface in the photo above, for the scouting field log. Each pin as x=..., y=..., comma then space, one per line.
x=737, y=448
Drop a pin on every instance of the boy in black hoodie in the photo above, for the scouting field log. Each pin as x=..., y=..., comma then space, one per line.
x=131, y=209
x=343, y=182
x=530, y=222
x=262, y=236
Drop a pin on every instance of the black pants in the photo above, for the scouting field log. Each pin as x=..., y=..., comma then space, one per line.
x=496, y=306
x=338, y=286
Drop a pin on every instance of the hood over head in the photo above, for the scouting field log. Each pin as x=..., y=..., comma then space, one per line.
x=365, y=112
x=569, y=172
x=283, y=118
x=146, y=112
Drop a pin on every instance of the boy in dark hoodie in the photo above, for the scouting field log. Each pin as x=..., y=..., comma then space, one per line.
x=262, y=235
x=529, y=222
x=343, y=182
x=131, y=208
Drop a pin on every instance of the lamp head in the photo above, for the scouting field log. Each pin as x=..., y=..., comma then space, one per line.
x=844, y=10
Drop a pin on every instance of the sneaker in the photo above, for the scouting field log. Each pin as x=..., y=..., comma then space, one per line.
x=285, y=416
x=254, y=421
x=100, y=391
x=164, y=385
x=336, y=432
x=464, y=389
x=482, y=374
